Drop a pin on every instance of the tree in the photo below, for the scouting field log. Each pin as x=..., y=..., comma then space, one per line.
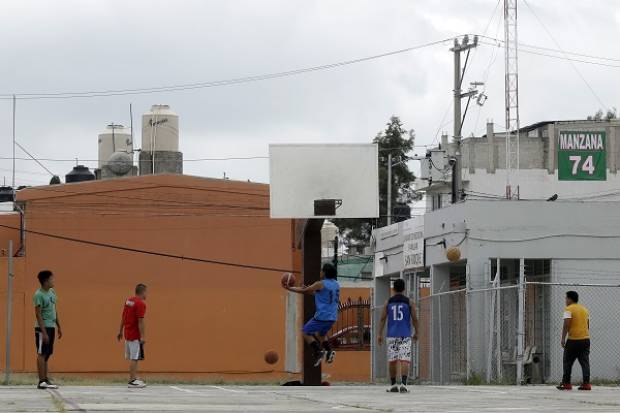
x=609, y=115
x=398, y=142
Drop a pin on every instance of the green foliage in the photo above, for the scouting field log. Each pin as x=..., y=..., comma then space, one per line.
x=395, y=140
x=609, y=115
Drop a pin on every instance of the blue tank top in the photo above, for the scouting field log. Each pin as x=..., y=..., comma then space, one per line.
x=326, y=301
x=399, y=316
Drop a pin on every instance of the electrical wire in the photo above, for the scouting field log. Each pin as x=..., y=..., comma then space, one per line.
x=217, y=83
x=585, y=81
x=550, y=49
x=542, y=237
x=500, y=43
x=147, y=252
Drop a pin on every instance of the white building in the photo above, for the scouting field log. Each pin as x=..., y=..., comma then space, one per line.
x=577, y=160
x=498, y=310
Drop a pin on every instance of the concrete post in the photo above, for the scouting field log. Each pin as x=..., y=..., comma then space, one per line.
x=471, y=148
x=491, y=144
x=551, y=158
x=611, y=148
x=9, y=315
x=379, y=353
x=292, y=333
x=444, y=143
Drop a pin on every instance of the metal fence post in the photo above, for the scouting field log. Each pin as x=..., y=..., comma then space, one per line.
x=9, y=315
x=521, y=321
x=440, y=325
x=468, y=322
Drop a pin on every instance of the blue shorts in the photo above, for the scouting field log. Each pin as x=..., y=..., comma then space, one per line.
x=317, y=326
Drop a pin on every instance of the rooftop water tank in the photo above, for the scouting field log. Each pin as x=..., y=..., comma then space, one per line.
x=80, y=173
x=6, y=194
x=160, y=130
x=120, y=163
x=115, y=138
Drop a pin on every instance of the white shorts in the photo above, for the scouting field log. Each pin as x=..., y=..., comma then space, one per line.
x=399, y=348
x=134, y=350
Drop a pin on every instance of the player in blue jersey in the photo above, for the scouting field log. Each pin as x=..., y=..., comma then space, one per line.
x=399, y=311
x=326, y=298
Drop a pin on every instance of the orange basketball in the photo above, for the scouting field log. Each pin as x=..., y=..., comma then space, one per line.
x=271, y=357
x=288, y=279
x=453, y=254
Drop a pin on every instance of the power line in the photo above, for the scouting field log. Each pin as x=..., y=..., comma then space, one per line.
x=500, y=43
x=596, y=96
x=217, y=83
x=147, y=252
x=550, y=49
x=228, y=158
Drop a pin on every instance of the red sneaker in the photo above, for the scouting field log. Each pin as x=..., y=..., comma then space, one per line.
x=565, y=386
x=585, y=386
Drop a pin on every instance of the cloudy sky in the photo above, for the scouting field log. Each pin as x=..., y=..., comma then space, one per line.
x=85, y=45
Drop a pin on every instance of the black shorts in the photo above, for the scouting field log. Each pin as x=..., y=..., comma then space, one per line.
x=44, y=349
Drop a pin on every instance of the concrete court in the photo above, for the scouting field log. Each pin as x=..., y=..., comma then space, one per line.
x=189, y=398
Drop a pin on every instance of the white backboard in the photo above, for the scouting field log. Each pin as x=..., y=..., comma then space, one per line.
x=302, y=173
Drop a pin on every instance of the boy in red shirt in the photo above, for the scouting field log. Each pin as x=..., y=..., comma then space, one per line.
x=132, y=324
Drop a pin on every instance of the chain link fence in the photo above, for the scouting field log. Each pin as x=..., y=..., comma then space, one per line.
x=509, y=332
x=443, y=323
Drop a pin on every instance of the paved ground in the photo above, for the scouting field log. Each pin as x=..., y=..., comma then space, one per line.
x=185, y=398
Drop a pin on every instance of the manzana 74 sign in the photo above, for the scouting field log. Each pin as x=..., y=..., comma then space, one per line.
x=582, y=156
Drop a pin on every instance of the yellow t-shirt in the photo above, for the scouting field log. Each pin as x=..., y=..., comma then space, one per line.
x=579, y=322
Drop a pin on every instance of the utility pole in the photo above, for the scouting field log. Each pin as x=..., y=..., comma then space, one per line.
x=389, y=190
x=463, y=46
x=13, y=181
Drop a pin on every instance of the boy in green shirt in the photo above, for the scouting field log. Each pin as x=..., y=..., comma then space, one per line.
x=45, y=326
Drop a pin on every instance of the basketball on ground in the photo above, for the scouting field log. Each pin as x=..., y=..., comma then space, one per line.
x=271, y=357
x=288, y=279
x=453, y=254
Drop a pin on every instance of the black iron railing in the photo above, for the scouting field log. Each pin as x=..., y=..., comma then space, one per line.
x=352, y=329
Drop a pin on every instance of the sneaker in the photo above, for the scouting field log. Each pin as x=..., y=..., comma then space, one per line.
x=330, y=356
x=393, y=389
x=585, y=386
x=136, y=384
x=44, y=385
x=318, y=358
x=403, y=389
x=565, y=386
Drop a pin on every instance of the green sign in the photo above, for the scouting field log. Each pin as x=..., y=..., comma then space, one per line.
x=582, y=156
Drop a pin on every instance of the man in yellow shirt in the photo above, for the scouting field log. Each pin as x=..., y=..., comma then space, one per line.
x=577, y=346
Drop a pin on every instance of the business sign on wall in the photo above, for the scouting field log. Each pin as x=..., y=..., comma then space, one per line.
x=413, y=246
x=582, y=156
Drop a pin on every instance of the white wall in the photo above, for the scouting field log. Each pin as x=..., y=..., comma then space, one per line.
x=540, y=184
x=581, y=238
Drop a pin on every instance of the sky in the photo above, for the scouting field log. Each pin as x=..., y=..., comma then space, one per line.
x=85, y=45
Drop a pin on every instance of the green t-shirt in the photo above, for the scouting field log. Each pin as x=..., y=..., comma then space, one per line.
x=47, y=301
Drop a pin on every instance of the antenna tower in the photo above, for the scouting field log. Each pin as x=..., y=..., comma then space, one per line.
x=511, y=88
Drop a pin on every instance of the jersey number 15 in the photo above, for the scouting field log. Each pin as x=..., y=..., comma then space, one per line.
x=397, y=312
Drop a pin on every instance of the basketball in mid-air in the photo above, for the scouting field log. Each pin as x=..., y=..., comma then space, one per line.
x=288, y=279
x=453, y=254
x=271, y=357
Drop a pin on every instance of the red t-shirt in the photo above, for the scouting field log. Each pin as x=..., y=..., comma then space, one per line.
x=134, y=309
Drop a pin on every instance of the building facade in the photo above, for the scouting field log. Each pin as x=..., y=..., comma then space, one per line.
x=577, y=160
x=209, y=253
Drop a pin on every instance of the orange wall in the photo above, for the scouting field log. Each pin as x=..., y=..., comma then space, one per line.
x=8, y=221
x=349, y=366
x=201, y=317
